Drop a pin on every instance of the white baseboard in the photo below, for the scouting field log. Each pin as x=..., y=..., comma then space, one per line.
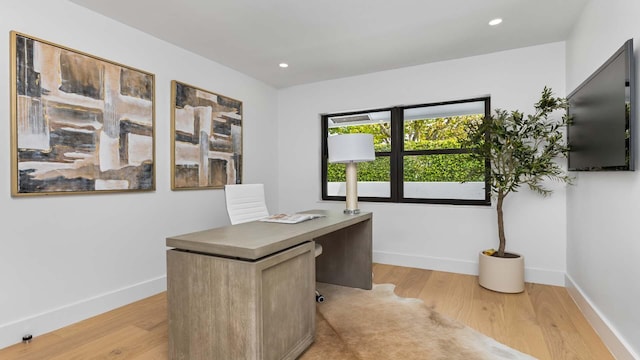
x=11, y=333
x=539, y=276
x=424, y=262
x=616, y=344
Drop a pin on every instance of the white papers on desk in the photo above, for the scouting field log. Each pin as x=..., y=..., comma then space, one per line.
x=290, y=218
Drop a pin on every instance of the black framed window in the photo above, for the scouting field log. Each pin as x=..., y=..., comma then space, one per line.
x=419, y=154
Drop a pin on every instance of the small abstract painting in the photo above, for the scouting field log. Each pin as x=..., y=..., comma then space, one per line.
x=79, y=124
x=206, y=140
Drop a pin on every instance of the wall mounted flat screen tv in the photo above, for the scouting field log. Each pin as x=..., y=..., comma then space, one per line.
x=602, y=116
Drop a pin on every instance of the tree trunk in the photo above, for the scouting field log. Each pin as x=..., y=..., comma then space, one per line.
x=501, y=196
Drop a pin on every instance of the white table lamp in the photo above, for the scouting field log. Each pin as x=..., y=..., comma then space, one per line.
x=351, y=149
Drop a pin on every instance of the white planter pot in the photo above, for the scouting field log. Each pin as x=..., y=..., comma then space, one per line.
x=501, y=274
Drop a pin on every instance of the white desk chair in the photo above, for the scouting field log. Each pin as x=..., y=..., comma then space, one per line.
x=246, y=202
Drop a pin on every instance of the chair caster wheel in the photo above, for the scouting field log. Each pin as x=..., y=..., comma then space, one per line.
x=319, y=298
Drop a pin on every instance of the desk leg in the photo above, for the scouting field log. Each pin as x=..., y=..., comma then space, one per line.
x=346, y=257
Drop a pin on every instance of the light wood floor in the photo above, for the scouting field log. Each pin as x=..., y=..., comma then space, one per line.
x=543, y=321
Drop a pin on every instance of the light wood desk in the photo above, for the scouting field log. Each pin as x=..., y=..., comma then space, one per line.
x=247, y=291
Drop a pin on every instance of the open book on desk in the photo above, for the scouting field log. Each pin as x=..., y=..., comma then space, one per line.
x=290, y=218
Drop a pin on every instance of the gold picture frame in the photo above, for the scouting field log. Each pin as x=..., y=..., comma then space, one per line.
x=206, y=138
x=80, y=124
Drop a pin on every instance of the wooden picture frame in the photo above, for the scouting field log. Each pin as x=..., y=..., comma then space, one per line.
x=80, y=124
x=206, y=139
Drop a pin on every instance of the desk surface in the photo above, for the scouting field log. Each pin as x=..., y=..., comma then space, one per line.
x=256, y=239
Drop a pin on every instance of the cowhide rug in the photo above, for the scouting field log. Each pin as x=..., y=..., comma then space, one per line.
x=355, y=324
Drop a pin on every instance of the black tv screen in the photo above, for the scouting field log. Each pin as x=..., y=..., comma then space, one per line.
x=601, y=110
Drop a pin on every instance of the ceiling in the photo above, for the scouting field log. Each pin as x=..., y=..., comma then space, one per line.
x=328, y=39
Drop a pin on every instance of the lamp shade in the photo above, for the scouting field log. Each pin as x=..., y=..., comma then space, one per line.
x=347, y=148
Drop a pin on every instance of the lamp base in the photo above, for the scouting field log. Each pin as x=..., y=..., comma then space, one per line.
x=351, y=211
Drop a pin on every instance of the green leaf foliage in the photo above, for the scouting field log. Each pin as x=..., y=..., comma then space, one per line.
x=422, y=134
x=522, y=150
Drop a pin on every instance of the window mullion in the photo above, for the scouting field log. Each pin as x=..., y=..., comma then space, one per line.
x=324, y=156
x=397, y=142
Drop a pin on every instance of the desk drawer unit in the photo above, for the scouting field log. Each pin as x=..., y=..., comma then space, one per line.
x=224, y=308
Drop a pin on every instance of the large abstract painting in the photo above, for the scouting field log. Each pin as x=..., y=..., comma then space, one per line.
x=80, y=124
x=207, y=138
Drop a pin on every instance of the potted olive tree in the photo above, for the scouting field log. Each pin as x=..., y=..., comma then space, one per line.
x=522, y=150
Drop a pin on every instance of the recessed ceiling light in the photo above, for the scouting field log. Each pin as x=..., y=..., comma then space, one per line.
x=284, y=65
x=495, y=22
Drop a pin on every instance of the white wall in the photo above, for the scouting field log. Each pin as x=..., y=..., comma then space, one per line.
x=603, y=244
x=442, y=237
x=65, y=258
